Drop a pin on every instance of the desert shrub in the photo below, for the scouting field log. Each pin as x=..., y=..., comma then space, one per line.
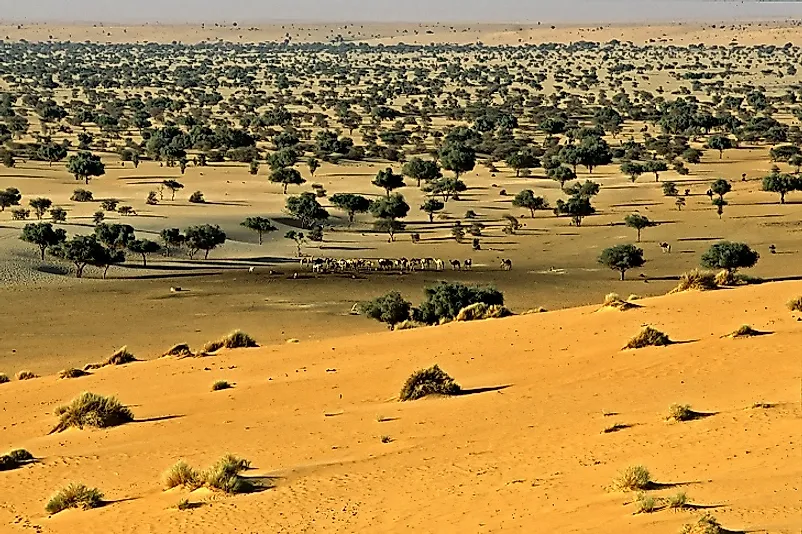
x=181, y=350
x=480, y=311
x=707, y=524
x=648, y=337
x=391, y=309
x=612, y=300
x=221, y=385
x=408, y=325
x=633, y=478
x=745, y=331
x=82, y=195
x=633, y=298
x=795, y=305
x=181, y=474
x=680, y=412
x=26, y=375
x=646, y=504
x=7, y=463
x=696, y=280
x=729, y=256
x=197, y=198
x=74, y=496
x=72, y=373
x=425, y=382
x=90, y=409
x=184, y=504
x=20, y=456
x=121, y=357
x=677, y=501
x=726, y=278
x=235, y=340
x=445, y=300
x=534, y=311
x=213, y=346
x=4, y=378
x=225, y=475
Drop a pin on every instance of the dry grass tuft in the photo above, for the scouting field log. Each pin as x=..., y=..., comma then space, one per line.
x=707, y=524
x=408, y=325
x=26, y=375
x=235, y=340
x=90, y=409
x=633, y=298
x=696, y=280
x=181, y=474
x=15, y=459
x=648, y=337
x=795, y=305
x=615, y=427
x=225, y=475
x=431, y=381
x=480, y=311
x=614, y=301
x=678, y=501
x=633, y=478
x=72, y=373
x=181, y=350
x=726, y=278
x=4, y=379
x=74, y=496
x=681, y=412
x=647, y=504
x=745, y=331
x=121, y=357
x=535, y=311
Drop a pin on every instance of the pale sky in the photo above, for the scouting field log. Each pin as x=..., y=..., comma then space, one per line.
x=522, y=11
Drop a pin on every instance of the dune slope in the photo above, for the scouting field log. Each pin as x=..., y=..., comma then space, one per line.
x=524, y=451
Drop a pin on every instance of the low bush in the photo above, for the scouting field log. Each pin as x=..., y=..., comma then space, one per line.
x=678, y=501
x=612, y=300
x=480, y=311
x=647, y=504
x=745, y=331
x=181, y=350
x=707, y=524
x=90, y=409
x=121, y=357
x=680, y=413
x=72, y=373
x=181, y=474
x=15, y=459
x=431, y=381
x=390, y=309
x=633, y=478
x=408, y=325
x=726, y=278
x=82, y=195
x=445, y=300
x=197, y=198
x=648, y=337
x=235, y=340
x=696, y=280
x=225, y=475
x=74, y=496
x=221, y=385
x=795, y=305
x=4, y=379
x=26, y=375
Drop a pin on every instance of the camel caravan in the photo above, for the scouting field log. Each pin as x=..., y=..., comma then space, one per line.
x=332, y=265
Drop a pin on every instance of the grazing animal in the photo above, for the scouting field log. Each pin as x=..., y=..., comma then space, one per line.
x=773, y=249
x=468, y=264
x=439, y=265
x=666, y=248
x=175, y=290
x=250, y=269
x=456, y=265
x=506, y=265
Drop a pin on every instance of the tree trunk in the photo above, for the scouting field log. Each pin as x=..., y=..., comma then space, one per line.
x=206, y=255
x=144, y=261
x=42, y=250
x=431, y=217
x=260, y=237
x=79, y=272
x=782, y=198
x=623, y=273
x=105, y=270
x=285, y=189
x=638, y=235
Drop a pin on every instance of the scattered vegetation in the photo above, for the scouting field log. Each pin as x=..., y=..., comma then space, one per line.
x=678, y=501
x=680, y=413
x=235, y=340
x=391, y=309
x=15, y=459
x=221, y=385
x=224, y=475
x=431, y=381
x=121, y=357
x=613, y=300
x=181, y=474
x=648, y=337
x=646, y=503
x=745, y=331
x=696, y=280
x=707, y=524
x=26, y=375
x=72, y=373
x=74, y=496
x=795, y=305
x=480, y=311
x=90, y=409
x=181, y=350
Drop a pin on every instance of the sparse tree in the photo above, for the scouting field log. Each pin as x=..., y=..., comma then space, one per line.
x=655, y=166
x=432, y=206
x=391, y=309
x=729, y=256
x=299, y=239
x=144, y=247
x=40, y=206
x=286, y=177
x=781, y=184
x=638, y=222
x=260, y=225
x=204, y=237
x=422, y=170
x=306, y=209
x=527, y=199
x=43, y=236
x=313, y=165
x=670, y=189
x=721, y=187
x=85, y=166
x=350, y=204
x=58, y=214
x=622, y=258
x=9, y=197
x=388, y=180
x=720, y=143
x=173, y=186
x=633, y=169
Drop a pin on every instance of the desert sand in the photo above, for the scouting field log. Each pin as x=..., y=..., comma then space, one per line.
x=523, y=451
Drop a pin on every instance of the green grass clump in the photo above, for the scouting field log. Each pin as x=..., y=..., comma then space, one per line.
x=678, y=501
x=72, y=373
x=221, y=385
x=680, y=413
x=648, y=337
x=647, y=504
x=181, y=474
x=74, y=496
x=795, y=305
x=26, y=375
x=633, y=478
x=90, y=409
x=431, y=381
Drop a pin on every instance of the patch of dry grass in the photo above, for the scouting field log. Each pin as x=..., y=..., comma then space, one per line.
x=235, y=340
x=681, y=412
x=614, y=301
x=26, y=375
x=220, y=385
x=795, y=305
x=90, y=409
x=72, y=373
x=74, y=496
x=224, y=476
x=696, y=280
x=707, y=524
x=181, y=350
x=745, y=331
x=4, y=379
x=425, y=382
x=648, y=337
x=181, y=474
x=480, y=311
x=633, y=478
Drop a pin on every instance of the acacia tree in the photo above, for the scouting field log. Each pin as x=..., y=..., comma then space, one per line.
x=721, y=187
x=260, y=225
x=447, y=187
x=622, y=258
x=51, y=152
x=172, y=238
x=350, y=204
x=388, y=180
x=655, y=166
x=173, y=186
x=286, y=176
x=40, y=206
x=458, y=158
x=391, y=309
x=306, y=209
x=299, y=239
x=9, y=197
x=43, y=236
x=729, y=256
x=432, y=206
x=85, y=166
x=781, y=184
x=388, y=211
x=204, y=237
x=422, y=170
x=633, y=169
x=144, y=247
x=638, y=222
x=561, y=174
x=86, y=250
x=527, y=199
x=720, y=143
x=577, y=207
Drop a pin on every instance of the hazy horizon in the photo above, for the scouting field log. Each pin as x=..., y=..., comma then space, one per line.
x=499, y=11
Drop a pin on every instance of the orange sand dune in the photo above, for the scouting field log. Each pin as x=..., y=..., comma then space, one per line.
x=527, y=458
